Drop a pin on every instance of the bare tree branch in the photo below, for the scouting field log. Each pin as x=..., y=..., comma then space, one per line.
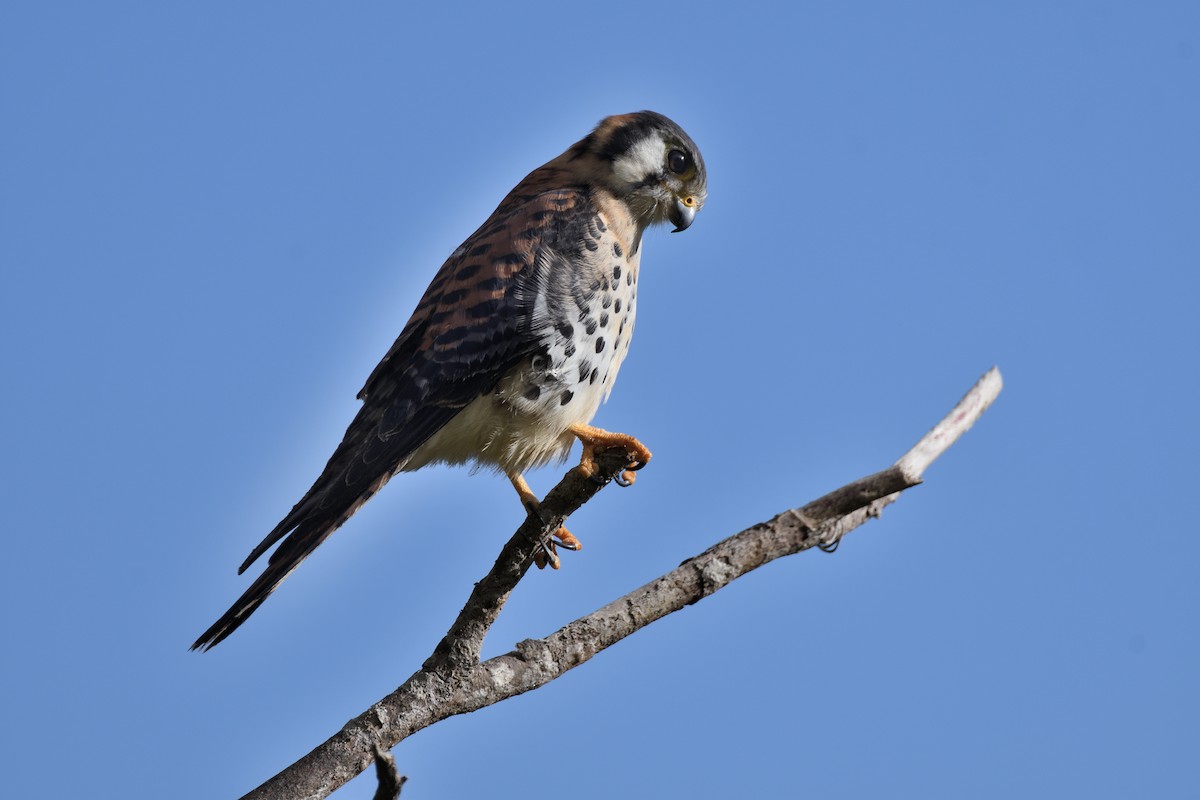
x=453, y=681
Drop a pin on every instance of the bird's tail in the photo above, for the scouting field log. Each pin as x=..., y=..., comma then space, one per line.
x=250, y=600
x=311, y=522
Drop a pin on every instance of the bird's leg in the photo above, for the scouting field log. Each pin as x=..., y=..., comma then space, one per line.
x=596, y=439
x=548, y=554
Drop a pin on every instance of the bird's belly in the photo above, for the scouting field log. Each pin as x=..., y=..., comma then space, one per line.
x=489, y=432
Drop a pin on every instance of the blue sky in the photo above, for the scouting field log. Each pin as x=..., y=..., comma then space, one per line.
x=214, y=220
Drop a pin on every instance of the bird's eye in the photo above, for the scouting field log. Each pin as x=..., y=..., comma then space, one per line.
x=678, y=161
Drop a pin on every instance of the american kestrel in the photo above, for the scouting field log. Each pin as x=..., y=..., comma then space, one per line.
x=515, y=343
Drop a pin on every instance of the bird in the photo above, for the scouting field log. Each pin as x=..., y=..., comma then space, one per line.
x=514, y=345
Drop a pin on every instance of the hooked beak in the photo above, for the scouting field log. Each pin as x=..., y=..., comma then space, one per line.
x=682, y=212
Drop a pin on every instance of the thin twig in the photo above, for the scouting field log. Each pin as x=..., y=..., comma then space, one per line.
x=390, y=779
x=453, y=681
x=463, y=643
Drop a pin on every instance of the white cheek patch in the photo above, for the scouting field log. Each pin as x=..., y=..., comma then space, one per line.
x=643, y=159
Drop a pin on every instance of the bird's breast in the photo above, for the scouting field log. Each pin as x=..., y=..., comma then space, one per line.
x=581, y=312
x=583, y=344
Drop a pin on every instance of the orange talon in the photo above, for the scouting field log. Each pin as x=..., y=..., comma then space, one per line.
x=548, y=555
x=594, y=440
x=597, y=439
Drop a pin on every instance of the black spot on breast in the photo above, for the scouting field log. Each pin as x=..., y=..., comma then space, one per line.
x=569, y=349
x=629, y=279
x=467, y=271
x=600, y=344
x=605, y=285
x=604, y=320
x=590, y=326
x=617, y=272
x=617, y=251
x=617, y=306
x=606, y=301
x=600, y=225
x=594, y=375
x=590, y=245
x=566, y=330
x=584, y=368
x=566, y=397
x=532, y=393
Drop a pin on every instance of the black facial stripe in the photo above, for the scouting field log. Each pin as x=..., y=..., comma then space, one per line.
x=639, y=126
x=627, y=137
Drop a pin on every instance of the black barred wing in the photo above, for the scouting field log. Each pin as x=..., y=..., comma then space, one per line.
x=474, y=323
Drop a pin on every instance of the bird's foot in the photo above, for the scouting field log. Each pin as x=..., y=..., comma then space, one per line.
x=548, y=555
x=596, y=440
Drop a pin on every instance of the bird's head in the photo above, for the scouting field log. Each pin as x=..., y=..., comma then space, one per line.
x=649, y=162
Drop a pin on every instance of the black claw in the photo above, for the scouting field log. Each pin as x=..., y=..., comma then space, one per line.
x=621, y=480
x=551, y=556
